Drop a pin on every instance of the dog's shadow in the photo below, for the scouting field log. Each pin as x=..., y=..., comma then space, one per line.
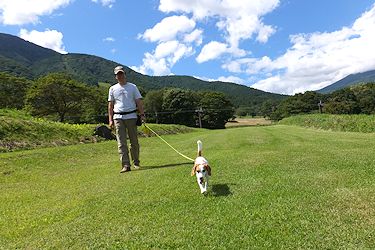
x=217, y=190
x=221, y=190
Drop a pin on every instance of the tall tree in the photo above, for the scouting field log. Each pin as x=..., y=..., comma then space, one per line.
x=216, y=109
x=365, y=94
x=180, y=105
x=57, y=93
x=298, y=104
x=343, y=101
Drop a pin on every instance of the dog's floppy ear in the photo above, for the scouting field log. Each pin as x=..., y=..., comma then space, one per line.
x=208, y=169
x=193, y=170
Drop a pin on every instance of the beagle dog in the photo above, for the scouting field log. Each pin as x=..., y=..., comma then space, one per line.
x=201, y=169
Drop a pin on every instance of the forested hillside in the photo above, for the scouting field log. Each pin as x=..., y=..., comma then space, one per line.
x=21, y=58
x=352, y=79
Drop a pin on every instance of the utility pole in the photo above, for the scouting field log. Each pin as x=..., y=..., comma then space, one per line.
x=320, y=104
x=199, y=111
x=156, y=116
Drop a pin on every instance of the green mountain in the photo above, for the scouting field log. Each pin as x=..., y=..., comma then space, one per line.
x=353, y=79
x=21, y=58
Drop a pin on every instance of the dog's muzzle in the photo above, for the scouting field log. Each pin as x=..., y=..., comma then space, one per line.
x=201, y=180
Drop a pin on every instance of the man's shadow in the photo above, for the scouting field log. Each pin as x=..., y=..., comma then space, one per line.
x=221, y=190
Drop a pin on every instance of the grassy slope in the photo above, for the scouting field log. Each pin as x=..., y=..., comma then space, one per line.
x=349, y=123
x=19, y=130
x=272, y=187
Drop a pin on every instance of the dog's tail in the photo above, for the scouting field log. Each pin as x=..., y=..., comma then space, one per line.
x=199, y=148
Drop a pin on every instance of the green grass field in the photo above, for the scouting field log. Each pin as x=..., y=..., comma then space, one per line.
x=274, y=187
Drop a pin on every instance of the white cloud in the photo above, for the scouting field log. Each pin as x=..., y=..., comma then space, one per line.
x=168, y=29
x=315, y=60
x=157, y=65
x=105, y=3
x=265, y=31
x=109, y=39
x=233, y=79
x=194, y=37
x=238, y=20
x=224, y=8
x=166, y=48
x=211, y=50
x=51, y=39
x=165, y=56
x=21, y=12
x=173, y=51
x=174, y=36
x=250, y=65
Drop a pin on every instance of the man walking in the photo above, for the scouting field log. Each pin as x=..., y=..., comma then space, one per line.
x=124, y=99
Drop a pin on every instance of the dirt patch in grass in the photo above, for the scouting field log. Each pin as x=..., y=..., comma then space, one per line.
x=248, y=122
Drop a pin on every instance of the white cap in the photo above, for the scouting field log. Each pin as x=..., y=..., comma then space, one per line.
x=118, y=69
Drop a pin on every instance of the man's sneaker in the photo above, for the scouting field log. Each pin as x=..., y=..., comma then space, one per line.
x=137, y=167
x=125, y=169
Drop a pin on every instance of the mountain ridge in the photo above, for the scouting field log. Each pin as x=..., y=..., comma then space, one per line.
x=352, y=79
x=25, y=59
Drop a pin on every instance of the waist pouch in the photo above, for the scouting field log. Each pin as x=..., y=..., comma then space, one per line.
x=124, y=113
x=139, y=120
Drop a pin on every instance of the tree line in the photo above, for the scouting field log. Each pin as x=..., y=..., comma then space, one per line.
x=357, y=99
x=58, y=96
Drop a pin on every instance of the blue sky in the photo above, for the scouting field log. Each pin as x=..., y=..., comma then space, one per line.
x=280, y=46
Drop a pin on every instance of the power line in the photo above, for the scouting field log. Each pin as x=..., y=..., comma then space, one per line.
x=187, y=111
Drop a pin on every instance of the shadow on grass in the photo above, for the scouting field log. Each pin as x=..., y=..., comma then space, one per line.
x=221, y=190
x=165, y=166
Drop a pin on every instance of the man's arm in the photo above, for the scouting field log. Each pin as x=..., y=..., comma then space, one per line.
x=110, y=114
x=140, y=108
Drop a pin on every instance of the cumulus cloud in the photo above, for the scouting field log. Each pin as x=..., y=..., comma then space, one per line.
x=314, y=60
x=150, y=62
x=51, y=39
x=164, y=57
x=168, y=29
x=264, y=32
x=25, y=11
x=105, y=3
x=194, y=37
x=235, y=20
x=211, y=50
x=175, y=36
x=238, y=20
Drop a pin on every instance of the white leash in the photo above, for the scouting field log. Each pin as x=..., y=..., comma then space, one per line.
x=188, y=158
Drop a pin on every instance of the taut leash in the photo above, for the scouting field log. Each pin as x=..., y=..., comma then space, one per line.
x=188, y=158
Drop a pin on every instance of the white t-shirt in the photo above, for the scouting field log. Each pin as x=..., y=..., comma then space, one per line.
x=124, y=99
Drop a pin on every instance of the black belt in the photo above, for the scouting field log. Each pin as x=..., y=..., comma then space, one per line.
x=124, y=113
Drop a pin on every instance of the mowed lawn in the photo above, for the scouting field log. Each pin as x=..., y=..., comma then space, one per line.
x=275, y=187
